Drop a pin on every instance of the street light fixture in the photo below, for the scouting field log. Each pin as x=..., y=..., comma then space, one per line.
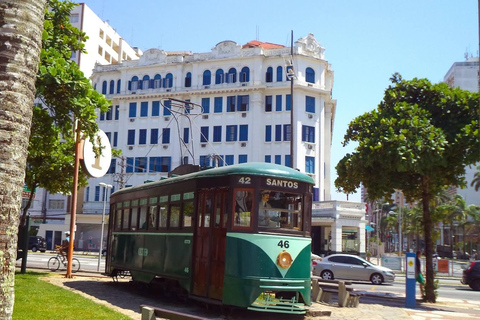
x=106, y=186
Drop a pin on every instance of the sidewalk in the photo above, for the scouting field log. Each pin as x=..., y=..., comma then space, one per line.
x=390, y=307
x=373, y=306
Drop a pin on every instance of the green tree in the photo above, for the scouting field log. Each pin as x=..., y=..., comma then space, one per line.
x=66, y=95
x=419, y=139
x=465, y=215
x=20, y=42
x=476, y=179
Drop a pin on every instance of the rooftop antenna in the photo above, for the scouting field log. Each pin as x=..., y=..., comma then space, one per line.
x=257, y=33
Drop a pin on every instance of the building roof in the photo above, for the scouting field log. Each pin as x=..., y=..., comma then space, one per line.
x=264, y=45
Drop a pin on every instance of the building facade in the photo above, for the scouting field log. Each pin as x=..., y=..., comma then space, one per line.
x=228, y=106
x=104, y=46
x=464, y=75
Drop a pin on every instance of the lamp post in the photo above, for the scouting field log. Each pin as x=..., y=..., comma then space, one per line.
x=400, y=231
x=106, y=186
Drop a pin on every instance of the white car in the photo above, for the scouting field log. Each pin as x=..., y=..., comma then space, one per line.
x=351, y=267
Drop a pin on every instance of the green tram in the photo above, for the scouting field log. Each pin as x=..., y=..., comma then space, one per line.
x=236, y=235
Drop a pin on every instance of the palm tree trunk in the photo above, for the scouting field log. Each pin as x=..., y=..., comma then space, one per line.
x=21, y=26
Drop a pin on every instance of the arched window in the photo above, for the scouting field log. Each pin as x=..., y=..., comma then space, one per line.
x=157, y=81
x=279, y=74
x=111, y=90
x=269, y=75
x=219, y=76
x=207, y=78
x=245, y=74
x=310, y=75
x=133, y=84
x=119, y=85
x=145, y=83
x=232, y=75
x=168, y=81
x=104, y=87
x=291, y=72
x=188, y=80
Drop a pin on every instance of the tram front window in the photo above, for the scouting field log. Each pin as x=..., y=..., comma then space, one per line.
x=280, y=210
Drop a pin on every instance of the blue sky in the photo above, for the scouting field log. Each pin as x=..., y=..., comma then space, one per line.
x=365, y=41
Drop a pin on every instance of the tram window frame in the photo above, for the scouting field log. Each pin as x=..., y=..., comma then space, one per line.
x=178, y=206
x=162, y=212
x=142, y=217
x=192, y=204
x=279, y=209
x=188, y=198
x=152, y=212
x=243, y=227
x=134, y=222
x=118, y=219
x=175, y=202
x=126, y=222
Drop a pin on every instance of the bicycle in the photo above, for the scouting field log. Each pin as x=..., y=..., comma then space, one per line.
x=54, y=263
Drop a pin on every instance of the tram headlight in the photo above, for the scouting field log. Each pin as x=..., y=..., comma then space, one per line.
x=284, y=259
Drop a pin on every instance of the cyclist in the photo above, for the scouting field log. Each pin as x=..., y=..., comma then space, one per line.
x=63, y=249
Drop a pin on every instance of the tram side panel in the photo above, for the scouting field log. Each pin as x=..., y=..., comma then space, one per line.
x=150, y=255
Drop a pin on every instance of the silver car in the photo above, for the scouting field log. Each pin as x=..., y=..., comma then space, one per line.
x=350, y=267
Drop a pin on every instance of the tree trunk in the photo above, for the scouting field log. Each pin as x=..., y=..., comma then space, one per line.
x=427, y=225
x=21, y=26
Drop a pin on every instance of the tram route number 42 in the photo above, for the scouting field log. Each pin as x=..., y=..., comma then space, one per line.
x=245, y=180
x=283, y=244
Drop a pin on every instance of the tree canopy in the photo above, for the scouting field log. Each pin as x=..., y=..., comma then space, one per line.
x=65, y=95
x=419, y=140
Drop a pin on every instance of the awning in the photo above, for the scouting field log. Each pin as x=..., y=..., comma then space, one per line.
x=368, y=228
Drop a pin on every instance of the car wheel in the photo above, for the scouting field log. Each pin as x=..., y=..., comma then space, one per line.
x=34, y=249
x=376, y=278
x=475, y=285
x=327, y=275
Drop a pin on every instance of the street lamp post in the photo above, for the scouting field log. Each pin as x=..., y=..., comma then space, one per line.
x=400, y=232
x=106, y=186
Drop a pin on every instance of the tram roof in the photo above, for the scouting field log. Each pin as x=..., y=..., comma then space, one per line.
x=250, y=168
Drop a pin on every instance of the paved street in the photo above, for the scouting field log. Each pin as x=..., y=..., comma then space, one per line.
x=88, y=263
x=379, y=302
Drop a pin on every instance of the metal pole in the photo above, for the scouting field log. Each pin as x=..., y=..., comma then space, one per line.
x=106, y=187
x=378, y=236
x=292, y=153
x=74, y=202
x=400, y=230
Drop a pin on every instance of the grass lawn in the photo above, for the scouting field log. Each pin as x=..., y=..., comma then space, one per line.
x=37, y=299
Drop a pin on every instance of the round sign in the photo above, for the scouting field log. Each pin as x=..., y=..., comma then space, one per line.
x=97, y=166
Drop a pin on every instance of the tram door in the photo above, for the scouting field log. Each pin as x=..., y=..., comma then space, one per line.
x=210, y=241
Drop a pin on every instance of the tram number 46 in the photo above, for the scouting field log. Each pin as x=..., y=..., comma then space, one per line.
x=283, y=244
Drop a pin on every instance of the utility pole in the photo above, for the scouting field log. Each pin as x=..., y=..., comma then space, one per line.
x=120, y=177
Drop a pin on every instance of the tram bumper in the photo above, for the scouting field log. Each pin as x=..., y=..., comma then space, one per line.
x=271, y=295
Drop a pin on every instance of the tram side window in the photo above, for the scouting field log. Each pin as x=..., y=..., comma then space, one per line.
x=187, y=214
x=152, y=219
x=133, y=223
x=118, y=219
x=174, y=216
x=162, y=217
x=208, y=210
x=142, y=221
x=163, y=212
x=126, y=216
x=243, y=208
x=280, y=210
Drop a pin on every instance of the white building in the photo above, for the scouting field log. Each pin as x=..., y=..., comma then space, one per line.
x=464, y=75
x=240, y=111
x=104, y=46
